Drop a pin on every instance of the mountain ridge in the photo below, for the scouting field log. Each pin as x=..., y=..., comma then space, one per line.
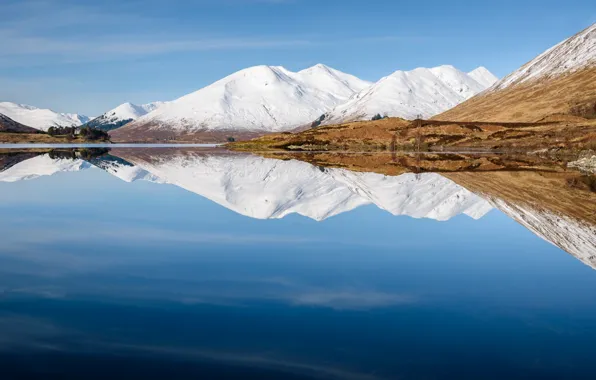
x=409, y=94
x=559, y=83
x=39, y=118
x=122, y=115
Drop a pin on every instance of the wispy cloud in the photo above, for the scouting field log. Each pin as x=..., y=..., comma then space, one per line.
x=48, y=32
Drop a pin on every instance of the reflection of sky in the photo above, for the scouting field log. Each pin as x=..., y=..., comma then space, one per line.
x=85, y=254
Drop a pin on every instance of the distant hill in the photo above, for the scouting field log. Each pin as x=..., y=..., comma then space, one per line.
x=122, y=115
x=40, y=118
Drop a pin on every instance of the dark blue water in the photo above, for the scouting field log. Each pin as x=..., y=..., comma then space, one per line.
x=100, y=277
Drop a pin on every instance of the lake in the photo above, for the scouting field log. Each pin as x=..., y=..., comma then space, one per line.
x=190, y=262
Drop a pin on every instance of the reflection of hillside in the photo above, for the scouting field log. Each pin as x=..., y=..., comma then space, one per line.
x=10, y=158
x=396, y=164
x=559, y=207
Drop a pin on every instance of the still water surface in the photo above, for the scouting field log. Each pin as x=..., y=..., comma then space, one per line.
x=194, y=263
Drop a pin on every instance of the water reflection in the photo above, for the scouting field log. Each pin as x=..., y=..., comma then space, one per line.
x=110, y=261
x=550, y=199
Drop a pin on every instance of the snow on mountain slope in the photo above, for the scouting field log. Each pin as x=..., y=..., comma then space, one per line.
x=122, y=115
x=266, y=188
x=326, y=79
x=571, y=235
x=407, y=94
x=41, y=119
x=483, y=76
x=261, y=98
x=571, y=55
x=39, y=166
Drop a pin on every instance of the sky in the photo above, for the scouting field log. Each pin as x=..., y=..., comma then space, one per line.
x=88, y=57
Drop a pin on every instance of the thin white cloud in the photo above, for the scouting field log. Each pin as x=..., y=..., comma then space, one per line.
x=48, y=32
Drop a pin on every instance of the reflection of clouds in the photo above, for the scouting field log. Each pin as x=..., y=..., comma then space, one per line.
x=23, y=332
x=353, y=300
x=232, y=292
x=256, y=360
x=44, y=245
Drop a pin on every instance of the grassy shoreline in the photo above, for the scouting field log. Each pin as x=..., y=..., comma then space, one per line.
x=398, y=135
x=42, y=138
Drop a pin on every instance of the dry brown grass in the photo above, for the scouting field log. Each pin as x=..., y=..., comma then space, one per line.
x=565, y=98
x=37, y=138
x=147, y=134
x=362, y=135
x=432, y=135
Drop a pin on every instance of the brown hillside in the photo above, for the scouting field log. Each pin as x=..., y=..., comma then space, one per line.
x=563, y=98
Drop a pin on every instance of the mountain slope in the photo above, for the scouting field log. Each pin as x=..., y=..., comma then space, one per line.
x=122, y=115
x=41, y=119
x=407, y=94
x=9, y=125
x=560, y=81
x=258, y=99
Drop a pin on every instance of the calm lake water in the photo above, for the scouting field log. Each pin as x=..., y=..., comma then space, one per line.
x=199, y=263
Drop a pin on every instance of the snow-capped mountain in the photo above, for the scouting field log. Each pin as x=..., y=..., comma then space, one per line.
x=261, y=98
x=570, y=55
x=122, y=115
x=265, y=188
x=407, y=94
x=39, y=118
x=483, y=76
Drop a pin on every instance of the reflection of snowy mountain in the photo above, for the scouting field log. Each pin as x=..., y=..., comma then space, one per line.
x=427, y=195
x=122, y=169
x=42, y=165
x=269, y=189
x=266, y=188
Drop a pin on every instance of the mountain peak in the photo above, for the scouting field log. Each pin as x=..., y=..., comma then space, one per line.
x=122, y=115
x=483, y=76
x=259, y=98
x=407, y=94
x=318, y=66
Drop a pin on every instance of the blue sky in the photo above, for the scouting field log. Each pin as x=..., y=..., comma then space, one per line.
x=77, y=57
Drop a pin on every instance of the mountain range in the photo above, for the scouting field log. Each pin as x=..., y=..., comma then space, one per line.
x=265, y=99
x=410, y=94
